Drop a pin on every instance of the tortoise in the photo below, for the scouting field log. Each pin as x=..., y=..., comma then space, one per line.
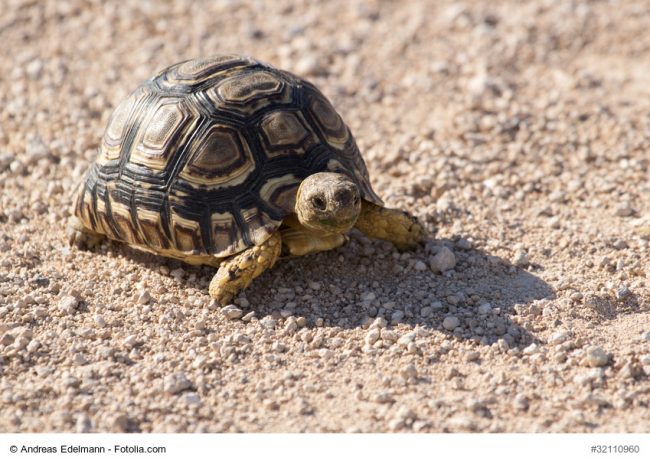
x=227, y=161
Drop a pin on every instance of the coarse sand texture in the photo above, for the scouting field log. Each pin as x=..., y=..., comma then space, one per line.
x=516, y=132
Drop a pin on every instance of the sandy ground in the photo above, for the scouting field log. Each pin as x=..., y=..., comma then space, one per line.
x=517, y=132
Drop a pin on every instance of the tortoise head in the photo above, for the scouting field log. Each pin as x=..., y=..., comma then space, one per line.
x=328, y=202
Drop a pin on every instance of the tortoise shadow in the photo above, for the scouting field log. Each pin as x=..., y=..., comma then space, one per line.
x=365, y=279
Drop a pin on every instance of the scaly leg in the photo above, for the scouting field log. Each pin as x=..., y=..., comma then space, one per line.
x=393, y=225
x=301, y=241
x=237, y=272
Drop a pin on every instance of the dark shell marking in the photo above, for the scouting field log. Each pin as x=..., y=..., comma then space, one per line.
x=206, y=157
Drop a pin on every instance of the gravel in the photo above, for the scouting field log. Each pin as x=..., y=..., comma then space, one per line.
x=596, y=357
x=232, y=312
x=443, y=260
x=514, y=131
x=450, y=322
x=176, y=383
x=69, y=304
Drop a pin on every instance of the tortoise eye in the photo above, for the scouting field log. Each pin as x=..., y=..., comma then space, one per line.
x=318, y=202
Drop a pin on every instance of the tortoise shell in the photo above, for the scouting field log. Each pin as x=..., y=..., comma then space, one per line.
x=206, y=157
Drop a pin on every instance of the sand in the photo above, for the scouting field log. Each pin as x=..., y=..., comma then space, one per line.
x=517, y=132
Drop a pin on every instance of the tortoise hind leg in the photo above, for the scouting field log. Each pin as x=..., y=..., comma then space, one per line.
x=393, y=225
x=82, y=237
x=237, y=272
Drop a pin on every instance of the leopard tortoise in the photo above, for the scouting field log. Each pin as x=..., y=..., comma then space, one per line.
x=227, y=161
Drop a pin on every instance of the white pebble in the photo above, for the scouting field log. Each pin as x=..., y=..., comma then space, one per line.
x=176, y=383
x=420, y=266
x=485, y=308
x=558, y=337
x=443, y=260
x=590, y=376
x=426, y=311
x=307, y=66
x=533, y=348
x=232, y=312
x=144, y=297
x=404, y=340
x=622, y=292
x=69, y=304
x=409, y=372
x=372, y=336
x=596, y=357
x=520, y=259
x=33, y=346
x=192, y=398
x=130, y=341
x=99, y=320
x=450, y=322
x=624, y=209
x=177, y=273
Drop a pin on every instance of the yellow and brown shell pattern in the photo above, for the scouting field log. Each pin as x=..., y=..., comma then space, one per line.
x=206, y=157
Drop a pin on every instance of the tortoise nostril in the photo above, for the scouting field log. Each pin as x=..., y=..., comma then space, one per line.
x=318, y=202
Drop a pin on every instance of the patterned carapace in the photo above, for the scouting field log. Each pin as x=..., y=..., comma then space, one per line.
x=206, y=157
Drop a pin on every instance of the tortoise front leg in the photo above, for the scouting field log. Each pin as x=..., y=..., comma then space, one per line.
x=393, y=225
x=237, y=272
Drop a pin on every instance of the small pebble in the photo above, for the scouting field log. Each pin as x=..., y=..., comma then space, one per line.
x=372, y=336
x=6, y=339
x=521, y=402
x=622, y=292
x=232, y=312
x=443, y=261
x=397, y=317
x=383, y=398
x=596, y=357
x=177, y=273
x=409, y=372
x=176, y=383
x=450, y=322
x=69, y=304
x=533, y=348
x=192, y=398
x=99, y=320
x=130, y=341
x=558, y=337
x=624, y=210
x=120, y=423
x=520, y=259
x=33, y=346
x=144, y=297
x=426, y=312
x=464, y=244
x=420, y=266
